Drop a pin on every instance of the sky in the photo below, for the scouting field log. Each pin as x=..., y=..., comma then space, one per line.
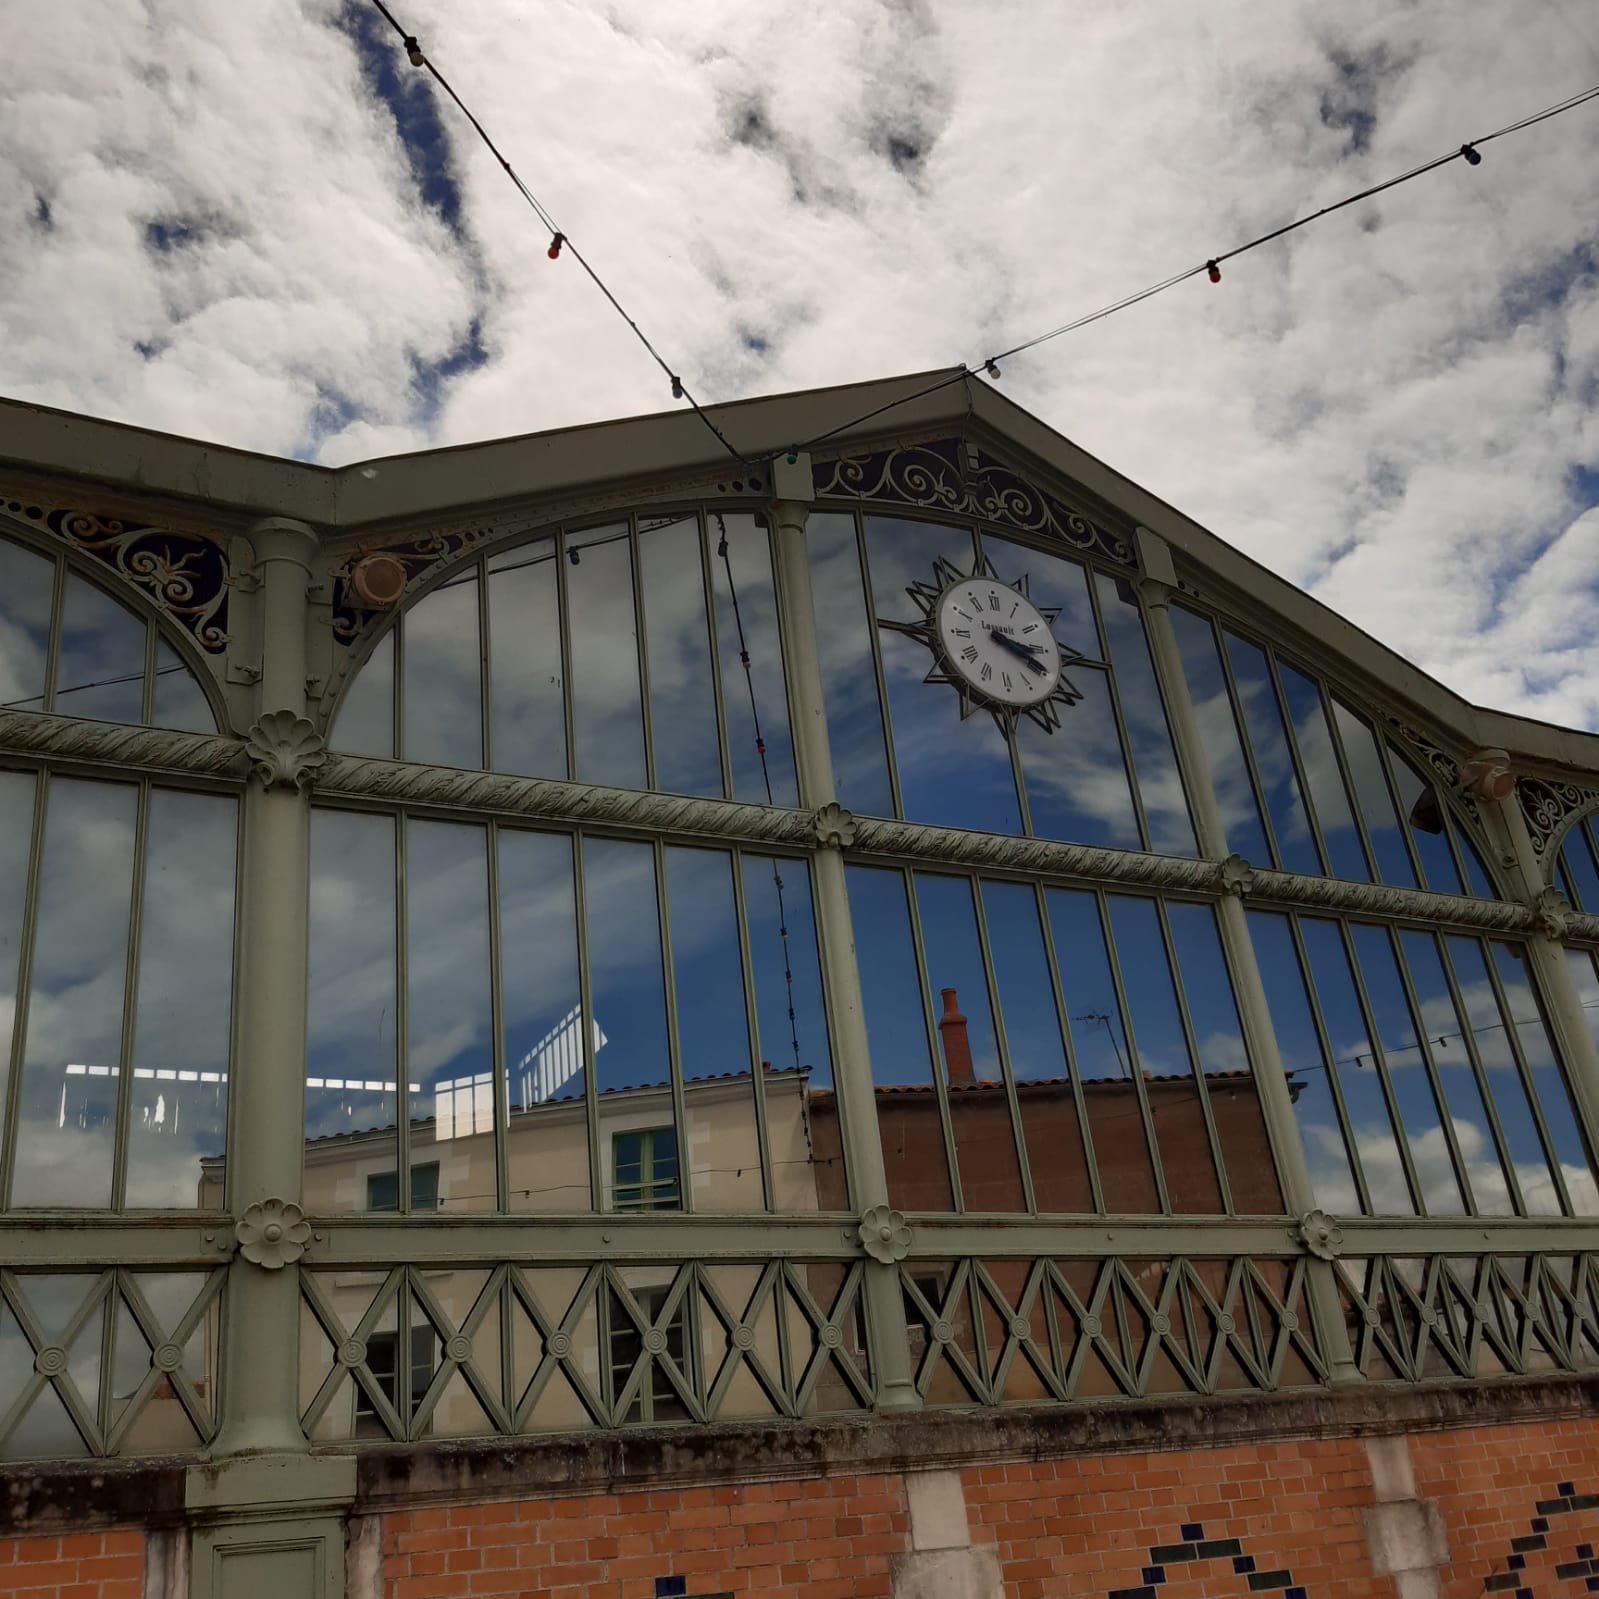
x=259, y=225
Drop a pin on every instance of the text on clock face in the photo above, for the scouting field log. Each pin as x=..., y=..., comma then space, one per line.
x=996, y=639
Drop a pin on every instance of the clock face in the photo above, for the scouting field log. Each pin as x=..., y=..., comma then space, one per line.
x=997, y=642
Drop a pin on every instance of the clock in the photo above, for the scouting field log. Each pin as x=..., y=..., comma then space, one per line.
x=993, y=644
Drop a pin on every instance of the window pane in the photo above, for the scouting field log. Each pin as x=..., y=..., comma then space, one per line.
x=16, y=838
x=724, y=1144
x=1537, y=1048
x=908, y=1118
x=1320, y=1135
x=1160, y=784
x=1051, y=581
x=351, y=1056
x=749, y=554
x=179, y=700
x=1481, y=882
x=1077, y=787
x=365, y=721
x=632, y=1062
x=1316, y=755
x=449, y=1025
x=979, y=1108
x=849, y=679
x=178, y=1109
x=1424, y=813
x=1484, y=1171
x=66, y=1133
x=27, y=585
x=547, y=1151
x=1104, y=1062
x=1218, y=732
x=1407, y=1072
x=1176, y=1099
x=1576, y=855
x=1229, y=1082
x=528, y=730
x=688, y=757
x=807, y=1150
x=607, y=718
x=101, y=671
x=443, y=677
x=1376, y=803
x=1370, y=1124
x=1505, y=1084
x=1274, y=764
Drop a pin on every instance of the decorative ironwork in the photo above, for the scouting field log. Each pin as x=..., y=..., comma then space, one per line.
x=950, y=476
x=1471, y=1316
x=1550, y=808
x=834, y=826
x=885, y=1235
x=1237, y=876
x=1552, y=913
x=186, y=574
x=114, y=744
x=273, y=1233
x=1320, y=1234
x=1027, y=1332
x=285, y=751
x=417, y=555
x=1378, y=899
x=69, y=1391
x=555, y=1347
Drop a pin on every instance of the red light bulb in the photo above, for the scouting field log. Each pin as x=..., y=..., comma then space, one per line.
x=554, y=251
x=1214, y=271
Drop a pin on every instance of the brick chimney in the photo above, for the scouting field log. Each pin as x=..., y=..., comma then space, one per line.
x=957, y=1047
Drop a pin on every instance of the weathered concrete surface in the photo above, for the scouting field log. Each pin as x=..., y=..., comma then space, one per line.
x=937, y=1503
x=947, y=1574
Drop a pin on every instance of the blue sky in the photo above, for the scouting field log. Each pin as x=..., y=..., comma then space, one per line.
x=259, y=225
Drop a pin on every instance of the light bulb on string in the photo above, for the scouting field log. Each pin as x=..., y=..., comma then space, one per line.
x=991, y=367
x=1472, y=154
x=414, y=51
x=556, y=241
x=677, y=388
x=1213, y=271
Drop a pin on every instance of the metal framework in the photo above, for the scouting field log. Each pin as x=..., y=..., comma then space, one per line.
x=243, y=1323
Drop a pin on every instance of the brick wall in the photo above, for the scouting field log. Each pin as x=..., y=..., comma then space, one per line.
x=89, y=1565
x=828, y=1539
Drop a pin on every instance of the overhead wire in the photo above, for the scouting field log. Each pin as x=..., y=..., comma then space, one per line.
x=1469, y=152
x=559, y=238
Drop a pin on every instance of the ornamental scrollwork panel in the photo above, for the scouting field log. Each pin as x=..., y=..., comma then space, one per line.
x=186, y=575
x=1550, y=808
x=951, y=476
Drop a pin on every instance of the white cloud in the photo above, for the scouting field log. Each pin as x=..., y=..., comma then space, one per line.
x=1391, y=406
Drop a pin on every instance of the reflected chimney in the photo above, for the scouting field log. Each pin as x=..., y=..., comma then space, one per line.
x=957, y=1047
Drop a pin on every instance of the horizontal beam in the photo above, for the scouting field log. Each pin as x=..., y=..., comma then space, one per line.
x=74, y=1243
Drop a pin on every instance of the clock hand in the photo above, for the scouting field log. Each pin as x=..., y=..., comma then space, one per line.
x=1016, y=647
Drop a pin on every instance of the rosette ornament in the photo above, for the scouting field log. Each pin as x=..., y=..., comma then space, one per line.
x=885, y=1234
x=273, y=1233
x=285, y=750
x=1321, y=1234
x=835, y=826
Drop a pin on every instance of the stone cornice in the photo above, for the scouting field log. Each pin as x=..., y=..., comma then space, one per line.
x=131, y=750
x=1377, y=899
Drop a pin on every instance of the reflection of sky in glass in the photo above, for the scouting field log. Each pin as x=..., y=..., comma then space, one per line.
x=1484, y=1174
x=16, y=828
x=624, y=953
x=1577, y=860
x=1055, y=1155
x=750, y=556
x=27, y=582
x=773, y=992
x=1370, y=1125
x=541, y=1004
x=1326, y=782
x=528, y=725
x=99, y=642
x=1160, y=784
x=1099, y=1043
x=1376, y=803
x=353, y=976
x=1319, y=1133
x=1437, y=859
x=449, y=1027
x=678, y=650
x=179, y=701
x=365, y=721
x=1268, y=743
x=1051, y=580
x=443, y=676
x=1476, y=872
x=1396, y=1034
x=181, y=1029
x=607, y=717
x=67, y=1121
x=1077, y=786
x=1218, y=733
x=984, y=1147
x=849, y=679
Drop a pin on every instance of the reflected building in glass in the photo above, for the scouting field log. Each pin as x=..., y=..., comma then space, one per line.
x=588, y=968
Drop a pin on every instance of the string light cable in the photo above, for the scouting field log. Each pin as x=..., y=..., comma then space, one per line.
x=1470, y=152
x=559, y=238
